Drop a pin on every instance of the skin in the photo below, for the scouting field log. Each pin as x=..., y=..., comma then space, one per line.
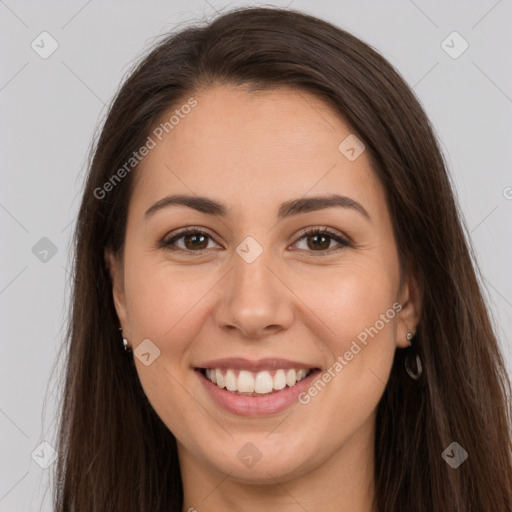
x=296, y=301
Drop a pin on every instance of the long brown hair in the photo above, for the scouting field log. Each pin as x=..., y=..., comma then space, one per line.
x=114, y=451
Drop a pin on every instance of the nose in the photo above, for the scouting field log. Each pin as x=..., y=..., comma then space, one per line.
x=254, y=300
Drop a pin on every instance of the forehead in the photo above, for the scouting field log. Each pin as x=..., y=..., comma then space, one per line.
x=252, y=147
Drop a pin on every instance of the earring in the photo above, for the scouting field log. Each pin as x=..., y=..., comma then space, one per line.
x=127, y=348
x=419, y=367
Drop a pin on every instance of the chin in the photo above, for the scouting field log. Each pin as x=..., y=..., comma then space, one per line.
x=257, y=460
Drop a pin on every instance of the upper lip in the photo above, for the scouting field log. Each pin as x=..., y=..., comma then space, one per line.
x=240, y=363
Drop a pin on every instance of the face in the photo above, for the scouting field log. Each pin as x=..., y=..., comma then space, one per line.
x=250, y=295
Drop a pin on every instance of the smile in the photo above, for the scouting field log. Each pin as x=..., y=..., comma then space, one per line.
x=249, y=383
x=255, y=392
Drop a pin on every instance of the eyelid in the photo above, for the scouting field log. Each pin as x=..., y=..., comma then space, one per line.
x=165, y=242
x=333, y=233
x=342, y=239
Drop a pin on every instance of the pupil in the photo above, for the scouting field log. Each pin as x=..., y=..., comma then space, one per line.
x=323, y=245
x=193, y=236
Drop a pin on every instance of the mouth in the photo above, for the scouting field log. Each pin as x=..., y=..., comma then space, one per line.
x=255, y=383
x=255, y=390
x=249, y=387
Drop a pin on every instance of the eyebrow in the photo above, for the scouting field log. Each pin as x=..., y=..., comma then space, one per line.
x=287, y=209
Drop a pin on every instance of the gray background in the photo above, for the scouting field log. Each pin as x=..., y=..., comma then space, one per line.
x=49, y=112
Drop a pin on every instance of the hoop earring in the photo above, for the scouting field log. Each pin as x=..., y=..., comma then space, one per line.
x=127, y=347
x=419, y=367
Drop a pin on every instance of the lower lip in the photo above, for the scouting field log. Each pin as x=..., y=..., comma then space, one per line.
x=264, y=405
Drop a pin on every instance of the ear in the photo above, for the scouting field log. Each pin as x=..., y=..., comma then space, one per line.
x=410, y=297
x=115, y=268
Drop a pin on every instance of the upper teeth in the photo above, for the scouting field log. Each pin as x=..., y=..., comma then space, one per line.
x=255, y=382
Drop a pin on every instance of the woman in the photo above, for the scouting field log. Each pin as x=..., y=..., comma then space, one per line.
x=269, y=221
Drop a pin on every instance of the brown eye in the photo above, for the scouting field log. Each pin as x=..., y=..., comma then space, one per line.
x=195, y=241
x=190, y=240
x=319, y=240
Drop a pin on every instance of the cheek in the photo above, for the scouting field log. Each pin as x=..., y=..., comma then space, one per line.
x=355, y=308
x=164, y=301
x=165, y=306
x=349, y=298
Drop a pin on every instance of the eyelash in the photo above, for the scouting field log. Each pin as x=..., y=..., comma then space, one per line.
x=168, y=244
